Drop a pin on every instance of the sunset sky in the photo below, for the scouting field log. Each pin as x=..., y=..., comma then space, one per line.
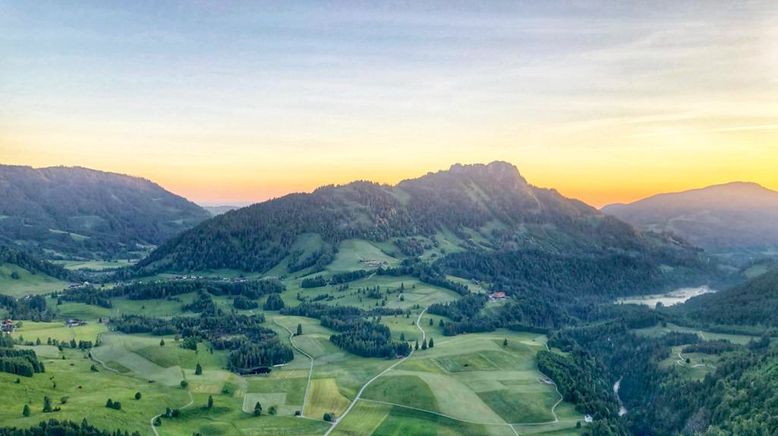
x=231, y=102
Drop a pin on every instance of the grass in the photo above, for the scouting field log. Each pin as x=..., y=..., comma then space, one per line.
x=31, y=330
x=97, y=265
x=354, y=254
x=409, y=390
x=468, y=377
x=658, y=330
x=325, y=397
x=27, y=283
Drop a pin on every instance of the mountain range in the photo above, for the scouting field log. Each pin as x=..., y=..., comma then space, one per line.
x=480, y=209
x=73, y=212
x=734, y=216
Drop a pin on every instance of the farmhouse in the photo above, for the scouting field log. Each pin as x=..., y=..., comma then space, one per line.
x=8, y=326
x=75, y=322
x=497, y=296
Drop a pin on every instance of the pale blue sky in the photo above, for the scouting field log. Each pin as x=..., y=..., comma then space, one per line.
x=245, y=100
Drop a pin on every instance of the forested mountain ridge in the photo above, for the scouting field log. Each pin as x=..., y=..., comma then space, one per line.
x=724, y=217
x=485, y=208
x=74, y=212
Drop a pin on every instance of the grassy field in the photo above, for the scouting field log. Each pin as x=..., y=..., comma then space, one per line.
x=706, y=335
x=97, y=265
x=354, y=254
x=468, y=384
x=27, y=283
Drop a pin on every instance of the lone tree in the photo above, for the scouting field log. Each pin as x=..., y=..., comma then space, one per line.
x=162, y=342
x=328, y=416
x=416, y=347
x=184, y=384
x=402, y=337
x=198, y=369
x=137, y=395
x=26, y=410
x=505, y=342
x=109, y=403
x=210, y=401
x=257, y=409
x=424, y=344
x=299, y=329
x=46, y=404
x=432, y=343
x=431, y=322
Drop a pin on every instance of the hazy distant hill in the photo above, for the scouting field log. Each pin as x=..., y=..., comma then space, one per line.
x=478, y=209
x=719, y=218
x=218, y=210
x=78, y=212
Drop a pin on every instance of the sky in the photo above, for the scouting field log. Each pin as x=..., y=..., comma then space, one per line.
x=236, y=102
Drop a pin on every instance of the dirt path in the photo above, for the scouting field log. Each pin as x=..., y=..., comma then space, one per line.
x=310, y=369
x=151, y=421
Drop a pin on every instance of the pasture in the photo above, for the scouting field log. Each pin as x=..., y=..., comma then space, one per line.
x=17, y=282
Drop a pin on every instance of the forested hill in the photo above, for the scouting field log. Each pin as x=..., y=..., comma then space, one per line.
x=468, y=208
x=752, y=303
x=78, y=212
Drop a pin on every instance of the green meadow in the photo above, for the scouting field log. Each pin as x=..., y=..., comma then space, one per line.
x=17, y=281
x=467, y=384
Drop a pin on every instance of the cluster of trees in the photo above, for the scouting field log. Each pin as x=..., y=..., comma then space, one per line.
x=334, y=280
x=412, y=247
x=313, y=282
x=33, y=308
x=251, y=345
x=274, y=302
x=203, y=303
x=365, y=338
x=355, y=333
x=62, y=428
x=717, y=346
x=33, y=264
x=252, y=289
x=428, y=273
x=86, y=295
x=17, y=361
x=251, y=355
x=243, y=303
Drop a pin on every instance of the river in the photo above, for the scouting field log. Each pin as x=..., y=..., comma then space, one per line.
x=616, y=386
x=671, y=298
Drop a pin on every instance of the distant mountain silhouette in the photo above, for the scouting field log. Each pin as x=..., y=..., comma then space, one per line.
x=736, y=215
x=79, y=212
